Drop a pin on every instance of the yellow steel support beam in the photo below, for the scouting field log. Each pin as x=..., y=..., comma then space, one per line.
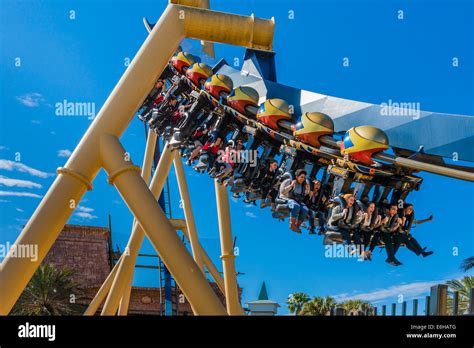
x=188, y=211
x=123, y=281
x=176, y=23
x=146, y=173
x=125, y=177
x=102, y=293
x=228, y=257
x=149, y=154
x=209, y=265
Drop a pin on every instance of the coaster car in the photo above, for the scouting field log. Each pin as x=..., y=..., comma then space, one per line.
x=198, y=73
x=361, y=142
x=219, y=85
x=311, y=126
x=275, y=114
x=182, y=61
x=244, y=100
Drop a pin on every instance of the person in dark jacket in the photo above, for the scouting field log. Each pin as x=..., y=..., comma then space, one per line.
x=316, y=203
x=370, y=221
x=389, y=225
x=403, y=235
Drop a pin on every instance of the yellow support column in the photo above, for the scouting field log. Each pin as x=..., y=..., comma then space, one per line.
x=103, y=291
x=228, y=257
x=123, y=280
x=125, y=177
x=146, y=173
x=209, y=264
x=188, y=211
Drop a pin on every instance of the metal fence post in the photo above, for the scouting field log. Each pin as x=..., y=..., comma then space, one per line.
x=455, y=302
x=439, y=299
x=471, y=301
x=415, y=307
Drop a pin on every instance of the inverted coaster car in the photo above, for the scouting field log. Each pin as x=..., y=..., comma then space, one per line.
x=198, y=73
x=275, y=114
x=244, y=100
x=311, y=126
x=361, y=142
x=182, y=61
x=219, y=85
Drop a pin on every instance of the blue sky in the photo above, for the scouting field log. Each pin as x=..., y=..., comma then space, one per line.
x=81, y=60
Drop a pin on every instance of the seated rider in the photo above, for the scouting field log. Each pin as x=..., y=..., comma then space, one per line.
x=265, y=179
x=163, y=113
x=154, y=98
x=229, y=158
x=388, y=227
x=212, y=147
x=371, y=220
x=341, y=217
x=316, y=203
x=403, y=235
x=295, y=191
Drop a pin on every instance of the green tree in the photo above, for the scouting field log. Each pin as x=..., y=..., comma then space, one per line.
x=296, y=302
x=463, y=286
x=49, y=292
x=467, y=264
x=356, y=305
x=318, y=306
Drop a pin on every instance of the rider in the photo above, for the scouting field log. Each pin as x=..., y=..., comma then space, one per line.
x=295, y=192
x=152, y=100
x=389, y=225
x=316, y=203
x=370, y=222
x=265, y=180
x=341, y=217
x=407, y=218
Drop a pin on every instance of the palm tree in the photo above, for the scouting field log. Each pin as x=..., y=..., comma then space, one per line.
x=356, y=305
x=463, y=287
x=318, y=306
x=296, y=302
x=49, y=292
x=467, y=264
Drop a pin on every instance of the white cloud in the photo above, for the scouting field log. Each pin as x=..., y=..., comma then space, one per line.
x=19, y=194
x=31, y=100
x=87, y=216
x=407, y=290
x=64, y=153
x=18, y=183
x=20, y=210
x=12, y=165
x=250, y=215
x=3, y=148
x=84, y=209
x=85, y=213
